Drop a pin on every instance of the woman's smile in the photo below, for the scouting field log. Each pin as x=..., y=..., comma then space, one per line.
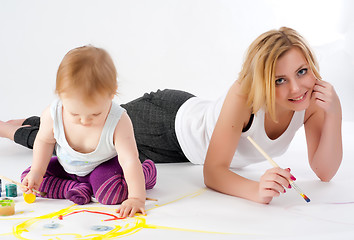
x=299, y=99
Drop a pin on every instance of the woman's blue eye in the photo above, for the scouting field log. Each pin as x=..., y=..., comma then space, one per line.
x=302, y=72
x=279, y=81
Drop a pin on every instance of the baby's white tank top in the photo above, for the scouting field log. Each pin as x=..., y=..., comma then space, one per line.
x=78, y=163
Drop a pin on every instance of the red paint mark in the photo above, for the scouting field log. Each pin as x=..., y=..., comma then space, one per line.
x=89, y=211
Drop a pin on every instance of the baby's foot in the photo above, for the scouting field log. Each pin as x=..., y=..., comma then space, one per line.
x=80, y=194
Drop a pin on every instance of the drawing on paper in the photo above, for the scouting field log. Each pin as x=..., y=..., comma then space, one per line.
x=80, y=222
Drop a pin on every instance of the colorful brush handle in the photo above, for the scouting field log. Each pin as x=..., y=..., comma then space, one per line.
x=274, y=164
x=19, y=184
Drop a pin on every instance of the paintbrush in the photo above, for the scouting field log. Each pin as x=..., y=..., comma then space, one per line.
x=21, y=185
x=271, y=161
x=151, y=199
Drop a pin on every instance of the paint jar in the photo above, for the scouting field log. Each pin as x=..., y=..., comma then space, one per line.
x=0, y=187
x=11, y=190
x=7, y=207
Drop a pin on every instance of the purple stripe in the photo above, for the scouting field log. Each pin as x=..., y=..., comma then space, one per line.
x=120, y=191
x=24, y=174
x=64, y=187
x=116, y=191
x=51, y=187
x=113, y=182
x=103, y=186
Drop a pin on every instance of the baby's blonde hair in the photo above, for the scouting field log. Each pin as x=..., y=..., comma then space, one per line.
x=89, y=71
x=257, y=76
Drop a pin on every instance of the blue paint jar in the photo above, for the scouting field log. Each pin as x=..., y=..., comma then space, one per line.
x=11, y=190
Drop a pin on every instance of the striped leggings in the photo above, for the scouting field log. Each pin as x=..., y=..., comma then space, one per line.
x=106, y=182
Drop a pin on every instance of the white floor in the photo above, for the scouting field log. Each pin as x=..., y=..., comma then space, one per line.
x=197, y=46
x=186, y=209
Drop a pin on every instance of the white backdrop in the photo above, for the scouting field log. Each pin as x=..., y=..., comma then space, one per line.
x=193, y=45
x=197, y=46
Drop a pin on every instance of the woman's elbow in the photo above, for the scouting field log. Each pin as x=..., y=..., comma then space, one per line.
x=207, y=174
x=325, y=177
x=327, y=172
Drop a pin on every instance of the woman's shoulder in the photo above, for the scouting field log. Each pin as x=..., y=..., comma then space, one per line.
x=236, y=88
x=237, y=97
x=235, y=105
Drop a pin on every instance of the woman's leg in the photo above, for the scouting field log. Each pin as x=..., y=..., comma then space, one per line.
x=153, y=117
x=109, y=185
x=21, y=131
x=26, y=135
x=58, y=184
x=8, y=129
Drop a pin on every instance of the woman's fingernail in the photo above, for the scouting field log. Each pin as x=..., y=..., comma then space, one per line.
x=284, y=191
x=289, y=186
x=288, y=169
x=292, y=178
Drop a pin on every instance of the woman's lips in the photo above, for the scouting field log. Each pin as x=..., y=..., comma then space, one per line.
x=298, y=99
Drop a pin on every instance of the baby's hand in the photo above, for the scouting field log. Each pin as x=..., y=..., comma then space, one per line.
x=32, y=181
x=131, y=206
x=273, y=182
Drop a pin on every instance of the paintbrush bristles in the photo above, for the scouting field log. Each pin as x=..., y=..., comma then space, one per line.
x=151, y=199
x=43, y=194
x=307, y=199
x=274, y=164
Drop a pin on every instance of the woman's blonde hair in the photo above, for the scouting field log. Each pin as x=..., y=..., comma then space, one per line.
x=257, y=76
x=89, y=70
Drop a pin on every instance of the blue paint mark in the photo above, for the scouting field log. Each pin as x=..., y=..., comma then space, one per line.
x=101, y=228
x=51, y=225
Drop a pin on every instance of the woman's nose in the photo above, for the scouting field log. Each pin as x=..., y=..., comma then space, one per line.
x=294, y=86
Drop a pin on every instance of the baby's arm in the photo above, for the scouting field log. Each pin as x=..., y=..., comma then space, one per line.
x=128, y=158
x=323, y=129
x=42, y=152
x=224, y=141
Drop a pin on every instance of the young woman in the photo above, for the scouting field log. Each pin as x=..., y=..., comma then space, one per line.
x=278, y=90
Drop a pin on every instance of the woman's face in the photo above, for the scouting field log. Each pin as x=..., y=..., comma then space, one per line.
x=294, y=81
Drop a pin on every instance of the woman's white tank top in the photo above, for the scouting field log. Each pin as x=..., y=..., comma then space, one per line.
x=195, y=123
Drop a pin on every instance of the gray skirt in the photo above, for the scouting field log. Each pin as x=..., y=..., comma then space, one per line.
x=153, y=117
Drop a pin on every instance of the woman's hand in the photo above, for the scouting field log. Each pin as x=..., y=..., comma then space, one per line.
x=326, y=97
x=131, y=206
x=273, y=182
